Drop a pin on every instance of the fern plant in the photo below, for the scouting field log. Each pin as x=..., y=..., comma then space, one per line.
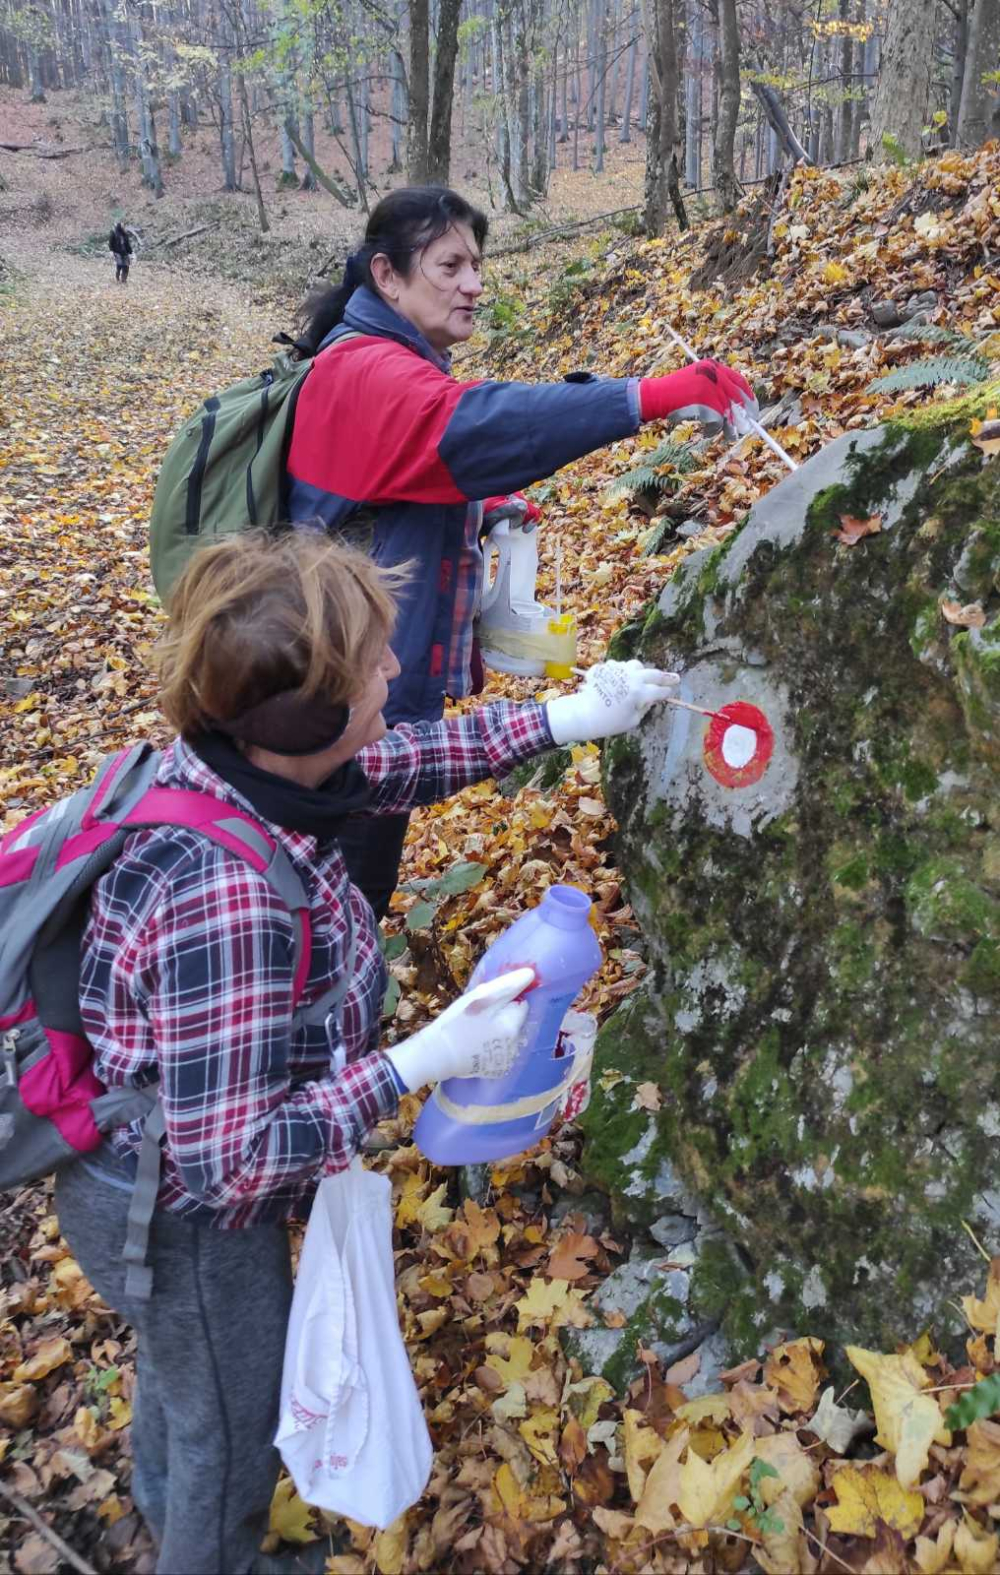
x=931, y=371
x=931, y=334
x=657, y=473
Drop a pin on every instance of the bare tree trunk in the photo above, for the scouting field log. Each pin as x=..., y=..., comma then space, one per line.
x=727, y=190
x=982, y=56
x=241, y=88
x=960, y=48
x=662, y=141
x=227, y=137
x=439, y=139
x=149, y=153
x=398, y=112
x=601, y=68
x=843, y=148
x=625, y=134
x=419, y=96
x=902, y=92
x=119, y=114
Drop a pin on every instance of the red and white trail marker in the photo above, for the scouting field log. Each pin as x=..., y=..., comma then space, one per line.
x=738, y=744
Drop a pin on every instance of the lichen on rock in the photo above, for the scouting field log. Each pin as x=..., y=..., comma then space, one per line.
x=823, y=997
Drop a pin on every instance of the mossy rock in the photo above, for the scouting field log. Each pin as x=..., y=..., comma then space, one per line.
x=822, y=922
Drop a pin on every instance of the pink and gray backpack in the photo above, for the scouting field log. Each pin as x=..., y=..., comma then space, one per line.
x=53, y=1109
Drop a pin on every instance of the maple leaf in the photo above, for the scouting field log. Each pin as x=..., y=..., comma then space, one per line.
x=291, y=1519
x=798, y=1474
x=706, y=1489
x=865, y=1497
x=852, y=529
x=794, y=1371
x=661, y=1490
x=512, y=1404
x=432, y=1213
x=544, y=1298
x=647, y=1097
x=980, y=1480
x=785, y=1549
x=566, y=1260
x=971, y=616
x=909, y=1421
x=539, y=1433
x=510, y=1356
x=713, y=1408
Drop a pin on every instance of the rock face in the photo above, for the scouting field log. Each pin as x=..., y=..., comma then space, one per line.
x=818, y=881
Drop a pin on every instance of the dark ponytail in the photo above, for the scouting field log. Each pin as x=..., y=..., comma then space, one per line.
x=402, y=225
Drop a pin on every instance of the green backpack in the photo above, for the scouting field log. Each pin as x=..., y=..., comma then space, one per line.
x=224, y=472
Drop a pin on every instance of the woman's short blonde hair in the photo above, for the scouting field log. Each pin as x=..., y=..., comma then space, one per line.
x=255, y=615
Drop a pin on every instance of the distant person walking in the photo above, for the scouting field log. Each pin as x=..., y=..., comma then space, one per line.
x=120, y=246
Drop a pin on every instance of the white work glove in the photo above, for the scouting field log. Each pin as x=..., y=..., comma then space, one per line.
x=479, y=1035
x=613, y=698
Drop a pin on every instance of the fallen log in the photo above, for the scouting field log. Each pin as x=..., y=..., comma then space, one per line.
x=40, y=153
x=186, y=235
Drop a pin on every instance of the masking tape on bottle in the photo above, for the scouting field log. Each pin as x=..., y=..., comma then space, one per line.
x=542, y=646
x=513, y=1109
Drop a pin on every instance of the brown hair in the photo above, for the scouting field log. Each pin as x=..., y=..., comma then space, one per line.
x=254, y=615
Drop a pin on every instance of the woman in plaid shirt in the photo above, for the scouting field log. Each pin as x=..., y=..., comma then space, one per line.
x=274, y=671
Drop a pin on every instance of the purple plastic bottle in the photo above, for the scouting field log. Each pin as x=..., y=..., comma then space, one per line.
x=555, y=939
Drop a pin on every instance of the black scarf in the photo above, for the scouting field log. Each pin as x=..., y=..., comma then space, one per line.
x=319, y=812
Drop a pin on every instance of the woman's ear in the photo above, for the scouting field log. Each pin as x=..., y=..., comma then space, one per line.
x=384, y=275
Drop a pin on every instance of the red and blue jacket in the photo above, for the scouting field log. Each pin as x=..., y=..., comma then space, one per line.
x=381, y=425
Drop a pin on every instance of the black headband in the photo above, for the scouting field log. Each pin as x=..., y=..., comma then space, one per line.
x=289, y=723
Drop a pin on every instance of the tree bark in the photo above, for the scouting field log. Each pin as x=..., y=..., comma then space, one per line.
x=982, y=56
x=727, y=189
x=662, y=140
x=419, y=95
x=902, y=91
x=439, y=137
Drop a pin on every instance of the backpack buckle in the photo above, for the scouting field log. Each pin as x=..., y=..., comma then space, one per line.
x=8, y=1050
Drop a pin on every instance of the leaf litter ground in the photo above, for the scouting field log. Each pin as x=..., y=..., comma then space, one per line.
x=538, y=1463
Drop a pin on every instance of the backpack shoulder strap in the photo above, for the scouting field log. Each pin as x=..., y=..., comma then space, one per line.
x=229, y=828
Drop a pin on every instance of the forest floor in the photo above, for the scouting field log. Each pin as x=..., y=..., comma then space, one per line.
x=538, y=1464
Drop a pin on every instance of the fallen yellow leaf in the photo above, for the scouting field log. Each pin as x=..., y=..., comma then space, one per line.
x=390, y=1548
x=640, y=1444
x=510, y=1356
x=908, y=1420
x=661, y=1493
x=980, y=1480
x=544, y=1298
x=433, y=1214
x=976, y=1548
x=49, y=1355
x=539, y=1433
x=291, y=1519
x=713, y=1408
x=864, y=1497
x=707, y=1491
x=794, y=1370
x=934, y=1556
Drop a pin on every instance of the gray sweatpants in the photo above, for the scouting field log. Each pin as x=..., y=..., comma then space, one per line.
x=210, y=1347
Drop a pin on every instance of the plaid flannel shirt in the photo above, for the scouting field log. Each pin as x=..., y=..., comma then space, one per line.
x=186, y=976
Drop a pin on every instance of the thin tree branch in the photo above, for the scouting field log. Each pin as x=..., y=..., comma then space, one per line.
x=27, y=1512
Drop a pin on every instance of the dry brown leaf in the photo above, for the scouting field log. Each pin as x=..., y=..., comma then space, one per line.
x=980, y=1480
x=567, y=1260
x=971, y=616
x=794, y=1371
x=647, y=1097
x=48, y=1355
x=852, y=530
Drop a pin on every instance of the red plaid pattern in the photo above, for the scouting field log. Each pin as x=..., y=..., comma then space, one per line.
x=186, y=976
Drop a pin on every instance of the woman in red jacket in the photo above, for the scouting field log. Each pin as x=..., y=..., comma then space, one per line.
x=390, y=448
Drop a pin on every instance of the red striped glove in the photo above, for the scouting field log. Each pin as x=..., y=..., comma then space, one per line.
x=705, y=391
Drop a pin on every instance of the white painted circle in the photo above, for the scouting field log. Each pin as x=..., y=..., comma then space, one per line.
x=739, y=745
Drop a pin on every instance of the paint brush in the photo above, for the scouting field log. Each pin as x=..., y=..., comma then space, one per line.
x=741, y=414
x=684, y=704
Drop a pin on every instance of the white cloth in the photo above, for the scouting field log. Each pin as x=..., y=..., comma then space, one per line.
x=352, y=1432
